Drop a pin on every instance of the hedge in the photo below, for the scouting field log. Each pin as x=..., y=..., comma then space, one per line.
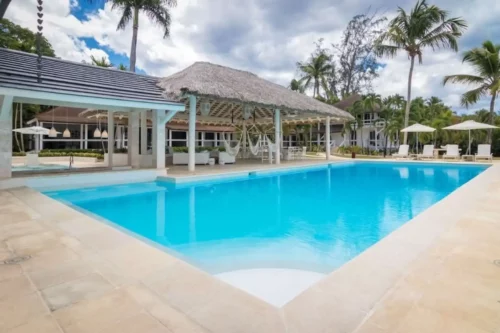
x=198, y=149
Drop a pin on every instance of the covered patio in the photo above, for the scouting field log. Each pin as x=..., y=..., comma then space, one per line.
x=203, y=94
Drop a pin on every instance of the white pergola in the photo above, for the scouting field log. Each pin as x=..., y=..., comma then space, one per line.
x=79, y=85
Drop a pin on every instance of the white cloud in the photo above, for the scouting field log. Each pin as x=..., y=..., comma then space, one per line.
x=267, y=37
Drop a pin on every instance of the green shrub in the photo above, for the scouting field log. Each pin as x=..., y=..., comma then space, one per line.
x=121, y=150
x=18, y=153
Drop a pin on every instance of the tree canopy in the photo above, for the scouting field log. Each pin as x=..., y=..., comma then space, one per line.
x=15, y=37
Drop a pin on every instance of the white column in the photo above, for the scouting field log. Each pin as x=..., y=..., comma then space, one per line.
x=6, y=136
x=277, y=134
x=82, y=129
x=327, y=138
x=133, y=139
x=111, y=138
x=192, y=132
x=119, y=137
x=85, y=137
x=318, y=135
x=144, y=132
x=244, y=139
x=159, y=139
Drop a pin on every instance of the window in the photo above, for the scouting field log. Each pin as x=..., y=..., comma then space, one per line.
x=177, y=135
x=61, y=145
x=209, y=136
x=353, y=137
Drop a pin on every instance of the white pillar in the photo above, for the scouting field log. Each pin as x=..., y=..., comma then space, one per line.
x=119, y=137
x=144, y=132
x=327, y=138
x=318, y=135
x=192, y=132
x=277, y=134
x=159, y=139
x=82, y=144
x=111, y=138
x=133, y=139
x=6, y=136
x=244, y=139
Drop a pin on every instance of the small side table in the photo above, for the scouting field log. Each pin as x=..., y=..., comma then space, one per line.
x=211, y=161
x=468, y=158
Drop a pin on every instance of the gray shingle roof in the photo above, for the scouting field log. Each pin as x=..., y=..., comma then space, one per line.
x=18, y=70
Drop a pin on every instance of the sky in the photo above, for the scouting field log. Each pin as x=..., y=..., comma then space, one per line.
x=266, y=37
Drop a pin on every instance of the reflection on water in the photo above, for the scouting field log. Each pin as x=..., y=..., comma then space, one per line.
x=314, y=220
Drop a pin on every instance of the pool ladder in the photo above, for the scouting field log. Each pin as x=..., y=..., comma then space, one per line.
x=71, y=161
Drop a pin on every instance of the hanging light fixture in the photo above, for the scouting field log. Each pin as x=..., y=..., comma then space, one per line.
x=53, y=132
x=205, y=108
x=104, y=134
x=97, y=132
x=66, y=133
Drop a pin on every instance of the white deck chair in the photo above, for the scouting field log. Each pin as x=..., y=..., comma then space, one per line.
x=427, y=153
x=403, y=152
x=483, y=153
x=451, y=152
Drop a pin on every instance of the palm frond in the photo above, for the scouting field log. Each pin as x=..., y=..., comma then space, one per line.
x=160, y=15
x=127, y=14
x=463, y=78
x=472, y=96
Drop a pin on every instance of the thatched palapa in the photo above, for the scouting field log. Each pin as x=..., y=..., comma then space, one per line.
x=229, y=90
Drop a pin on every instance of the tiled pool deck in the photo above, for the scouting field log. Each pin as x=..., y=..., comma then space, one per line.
x=437, y=273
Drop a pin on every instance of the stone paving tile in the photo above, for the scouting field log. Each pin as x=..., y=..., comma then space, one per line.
x=39, y=324
x=175, y=321
x=33, y=243
x=18, y=310
x=65, y=272
x=87, y=287
x=139, y=323
x=10, y=271
x=15, y=286
x=95, y=315
x=50, y=258
x=26, y=227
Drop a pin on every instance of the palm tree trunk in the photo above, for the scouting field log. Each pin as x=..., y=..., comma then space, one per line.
x=133, y=48
x=408, y=99
x=16, y=111
x=492, y=113
x=21, y=125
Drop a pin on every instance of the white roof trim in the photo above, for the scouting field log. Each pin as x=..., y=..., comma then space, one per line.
x=68, y=99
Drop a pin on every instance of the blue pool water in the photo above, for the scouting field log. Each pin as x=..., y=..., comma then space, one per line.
x=314, y=220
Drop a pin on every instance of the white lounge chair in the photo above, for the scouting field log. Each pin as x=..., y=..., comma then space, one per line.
x=403, y=152
x=427, y=153
x=451, y=152
x=483, y=153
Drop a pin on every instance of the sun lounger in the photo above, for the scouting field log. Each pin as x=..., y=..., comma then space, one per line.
x=451, y=152
x=483, y=153
x=427, y=153
x=403, y=152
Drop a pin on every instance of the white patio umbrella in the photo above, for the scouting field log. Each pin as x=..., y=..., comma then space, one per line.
x=35, y=130
x=418, y=128
x=469, y=125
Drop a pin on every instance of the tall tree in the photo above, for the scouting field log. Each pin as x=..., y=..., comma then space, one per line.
x=357, y=65
x=155, y=10
x=315, y=70
x=426, y=26
x=15, y=37
x=486, y=63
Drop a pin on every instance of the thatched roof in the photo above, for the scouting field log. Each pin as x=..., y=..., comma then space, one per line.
x=347, y=102
x=228, y=90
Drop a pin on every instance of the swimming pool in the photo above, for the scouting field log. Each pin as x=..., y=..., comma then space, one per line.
x=313, y=219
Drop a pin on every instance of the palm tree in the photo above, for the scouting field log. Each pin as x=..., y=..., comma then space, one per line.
x=156, y=10
x=425, y=26
x=296, y=85
x=3, y=7
x=486, y=63
x=315, y=71
x=122, y=67
x=103, y=62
